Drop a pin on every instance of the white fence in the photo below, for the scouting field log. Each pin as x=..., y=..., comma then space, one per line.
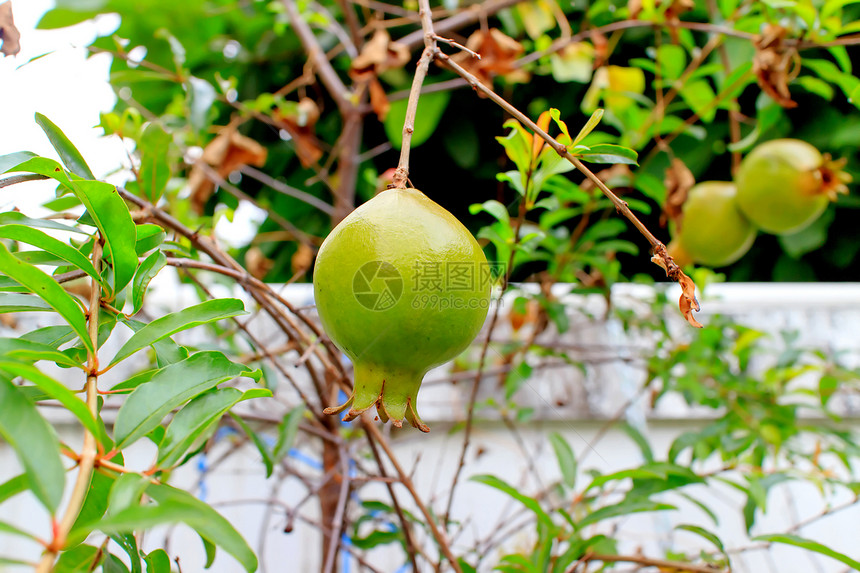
x=567, y=400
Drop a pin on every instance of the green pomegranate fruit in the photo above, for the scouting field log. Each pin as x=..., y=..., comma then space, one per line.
x=785, y=184
x=712, y=230
x=401, y=286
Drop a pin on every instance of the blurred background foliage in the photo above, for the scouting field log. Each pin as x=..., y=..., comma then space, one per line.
x=198, y=66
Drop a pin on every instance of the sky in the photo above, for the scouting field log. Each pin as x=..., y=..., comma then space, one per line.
x=53, y=76
x=65, y=86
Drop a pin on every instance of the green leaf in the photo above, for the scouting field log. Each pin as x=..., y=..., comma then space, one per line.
x=147, y=270
x=10, y=529
x=205, y=312
x=10, y=160
x=55, y=390
x=623, y=508
x=699, y=95
x=13, y=487
x=35, y=444
x=430, y=110
x=148, y=237
x=157, y=562
x=207, y=522
x=113, y=564
x=68, y=153
x=494, y=208
x=566, y=459
x=19, y=302
x=169, y=388
x=37, y=238
x=155, y=169
x=607, y=153
x=258, y=442
x=809, y=545
x=81, y=559
x=47, y=289
x=702, y=532
x=126, y=492
x=504, y=487
x=16, y=218
x=112, y=217
x=589, y=126
x=287, y=430
x=96, y=500
x=194, y=422
x=28, y=350
x=636, y=436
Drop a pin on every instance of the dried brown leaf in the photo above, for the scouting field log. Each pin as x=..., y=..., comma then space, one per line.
x=9, y=34
x=378, y=99
x=229, y=151
x=498, y=55
x=688, y=301
x=257, y=263
x=299, y=123
x=773, y=62
x=678, y=180
x=302, y=259
x=377, y=55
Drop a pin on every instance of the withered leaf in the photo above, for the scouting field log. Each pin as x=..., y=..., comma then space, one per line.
x=302, y=259
x=678, y=180
x=377, y=55
x=9, y=34
x=229, y=151
x=299, y=122
x=378, y=100
x=688, y=302
x=772, y=64
x=257, y=263
x=498, y=55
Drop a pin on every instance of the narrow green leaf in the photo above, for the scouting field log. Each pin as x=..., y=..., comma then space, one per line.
x=193, y=422
x=17, y=218
x=623, y=508
x=608, y=153
x=10, y=160
x=12, y=530
x=19, y=302
x=809, y=545
x=70, y=155
x=207, y=311
x=30, y=351
x=13, y=487
x=149, y=236
x=287, y=430
x=112, y=217
x=47, y=289
x=702, y=532
x=566, y=459
x=258, y=442
x=50, y=244
x=55, y=390
x=207, y=522
x=504, y=487
x=589, y=126
x=169, y=388
x=35, y=444
x=641, y=441
x=147, y=270
x=154, y=165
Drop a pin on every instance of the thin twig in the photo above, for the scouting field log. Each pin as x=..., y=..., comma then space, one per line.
x=438, y=535
x=430, y=51
x=337, y=89
x=89, y=451
x=662, y=564
x=15, y=179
